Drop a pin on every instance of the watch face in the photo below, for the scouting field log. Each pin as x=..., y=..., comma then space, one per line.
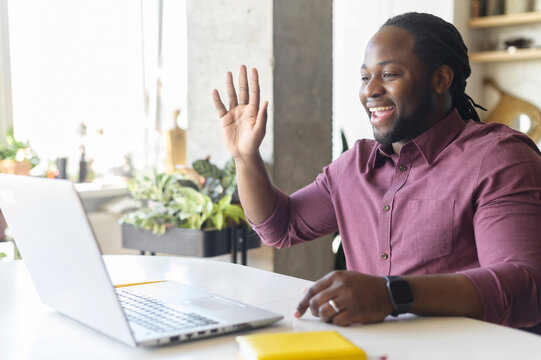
x=401, y=292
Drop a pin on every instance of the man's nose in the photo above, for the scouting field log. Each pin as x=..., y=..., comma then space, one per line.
x=373, y=88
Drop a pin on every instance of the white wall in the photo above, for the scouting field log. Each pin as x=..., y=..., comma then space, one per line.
x=354, y=24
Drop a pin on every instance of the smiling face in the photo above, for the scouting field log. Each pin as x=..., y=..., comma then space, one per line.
x=395, y=88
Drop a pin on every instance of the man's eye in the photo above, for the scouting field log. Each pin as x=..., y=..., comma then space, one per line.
x=389, y=75
x=365, y=78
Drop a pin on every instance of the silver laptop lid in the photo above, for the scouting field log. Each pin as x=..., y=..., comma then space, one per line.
x=49, y=226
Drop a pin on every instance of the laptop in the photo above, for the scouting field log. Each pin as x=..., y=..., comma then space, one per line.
x=55, y=239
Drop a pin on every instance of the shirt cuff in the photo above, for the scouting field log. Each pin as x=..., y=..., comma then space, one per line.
x=272, y=229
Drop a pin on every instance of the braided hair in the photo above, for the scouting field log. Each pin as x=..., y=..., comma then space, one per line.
x=437, y=43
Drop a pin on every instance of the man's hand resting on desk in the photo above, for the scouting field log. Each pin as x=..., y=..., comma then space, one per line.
x=359, y=298
x=362, y=299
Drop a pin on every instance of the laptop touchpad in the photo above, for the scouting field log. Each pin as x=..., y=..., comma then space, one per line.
x=214, y=303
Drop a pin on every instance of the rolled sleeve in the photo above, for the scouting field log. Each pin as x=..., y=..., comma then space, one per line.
x=272, y=229
x=508, y=293
x=507, y=235
x=305, y=215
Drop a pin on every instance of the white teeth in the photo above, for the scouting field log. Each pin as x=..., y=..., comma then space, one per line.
x=381, y=108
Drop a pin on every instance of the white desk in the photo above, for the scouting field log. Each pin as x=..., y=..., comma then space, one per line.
x=31, y=330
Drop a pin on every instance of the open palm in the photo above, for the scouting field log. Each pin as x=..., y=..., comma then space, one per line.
x=243, y=126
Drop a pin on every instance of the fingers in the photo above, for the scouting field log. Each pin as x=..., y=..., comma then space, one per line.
x=243, y=86
x=247, y=94
x=342, y=319
x=218, y=103
x=328, y=313
x=313, y=291
x=320, y=304
x=231, y=90
x=261, y=121
x=254, y=87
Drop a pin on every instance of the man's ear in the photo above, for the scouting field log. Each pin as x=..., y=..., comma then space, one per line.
x=442, y=78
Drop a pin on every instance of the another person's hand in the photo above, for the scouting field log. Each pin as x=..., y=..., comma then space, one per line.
x=244, y=124
x=358, y=298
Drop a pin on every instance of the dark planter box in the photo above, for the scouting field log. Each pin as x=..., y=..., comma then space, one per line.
x=190, y=242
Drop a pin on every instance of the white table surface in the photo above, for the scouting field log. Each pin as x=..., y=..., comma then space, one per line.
x=31, y=330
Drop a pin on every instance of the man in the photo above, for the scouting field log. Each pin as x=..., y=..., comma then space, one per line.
x=446, y=205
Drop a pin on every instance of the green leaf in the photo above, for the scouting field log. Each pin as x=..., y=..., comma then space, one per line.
x=207, y=169
x=228, y=182
x=225, y=202
x=219, y=220
x=230, y=166
x=235, y=213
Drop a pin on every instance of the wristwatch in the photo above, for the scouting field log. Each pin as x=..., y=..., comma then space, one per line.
x=400, y=294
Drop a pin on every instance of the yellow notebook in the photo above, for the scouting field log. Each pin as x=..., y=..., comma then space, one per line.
x=313, y=345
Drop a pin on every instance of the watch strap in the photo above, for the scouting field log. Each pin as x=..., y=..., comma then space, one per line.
x=400, y=294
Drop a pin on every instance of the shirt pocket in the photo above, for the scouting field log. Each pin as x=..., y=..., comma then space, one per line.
x=428, y=232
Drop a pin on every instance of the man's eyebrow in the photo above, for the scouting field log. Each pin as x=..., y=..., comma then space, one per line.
x=383, y=63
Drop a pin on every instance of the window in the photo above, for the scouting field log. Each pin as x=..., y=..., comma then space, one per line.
x=87, y=62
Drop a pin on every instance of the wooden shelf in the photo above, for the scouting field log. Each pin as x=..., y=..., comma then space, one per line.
x=503, y=55
x=505, y=20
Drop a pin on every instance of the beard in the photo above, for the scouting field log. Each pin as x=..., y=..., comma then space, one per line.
x=408, y=127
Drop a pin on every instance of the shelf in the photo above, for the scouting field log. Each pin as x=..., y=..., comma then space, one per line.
x=505, y=20
x=503, y=55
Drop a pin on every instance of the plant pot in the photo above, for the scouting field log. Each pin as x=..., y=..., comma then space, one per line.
x=190, y=242
x=15, y=167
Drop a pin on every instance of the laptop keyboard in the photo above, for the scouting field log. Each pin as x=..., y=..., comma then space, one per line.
x=153, y=314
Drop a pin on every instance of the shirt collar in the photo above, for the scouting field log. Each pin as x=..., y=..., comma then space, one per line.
x=434, y=140
x=383, y=152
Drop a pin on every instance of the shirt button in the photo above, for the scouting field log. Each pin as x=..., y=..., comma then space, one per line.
x=386, y=208
x=384, y=256
x=403, y=168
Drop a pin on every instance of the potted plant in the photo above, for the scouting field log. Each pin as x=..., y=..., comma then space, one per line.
x=193, y=212
x=16, y=157
x=3, y=227
x=8, y=250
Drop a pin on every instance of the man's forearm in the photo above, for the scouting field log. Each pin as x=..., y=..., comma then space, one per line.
x=449, y=294
x=256, y=192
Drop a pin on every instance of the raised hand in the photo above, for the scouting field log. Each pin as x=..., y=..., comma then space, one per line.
x=244, y=124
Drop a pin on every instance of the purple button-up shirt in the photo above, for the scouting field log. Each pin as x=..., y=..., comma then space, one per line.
x=462, y=198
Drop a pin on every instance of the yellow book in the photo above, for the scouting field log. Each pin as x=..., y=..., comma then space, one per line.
x=313, y=345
